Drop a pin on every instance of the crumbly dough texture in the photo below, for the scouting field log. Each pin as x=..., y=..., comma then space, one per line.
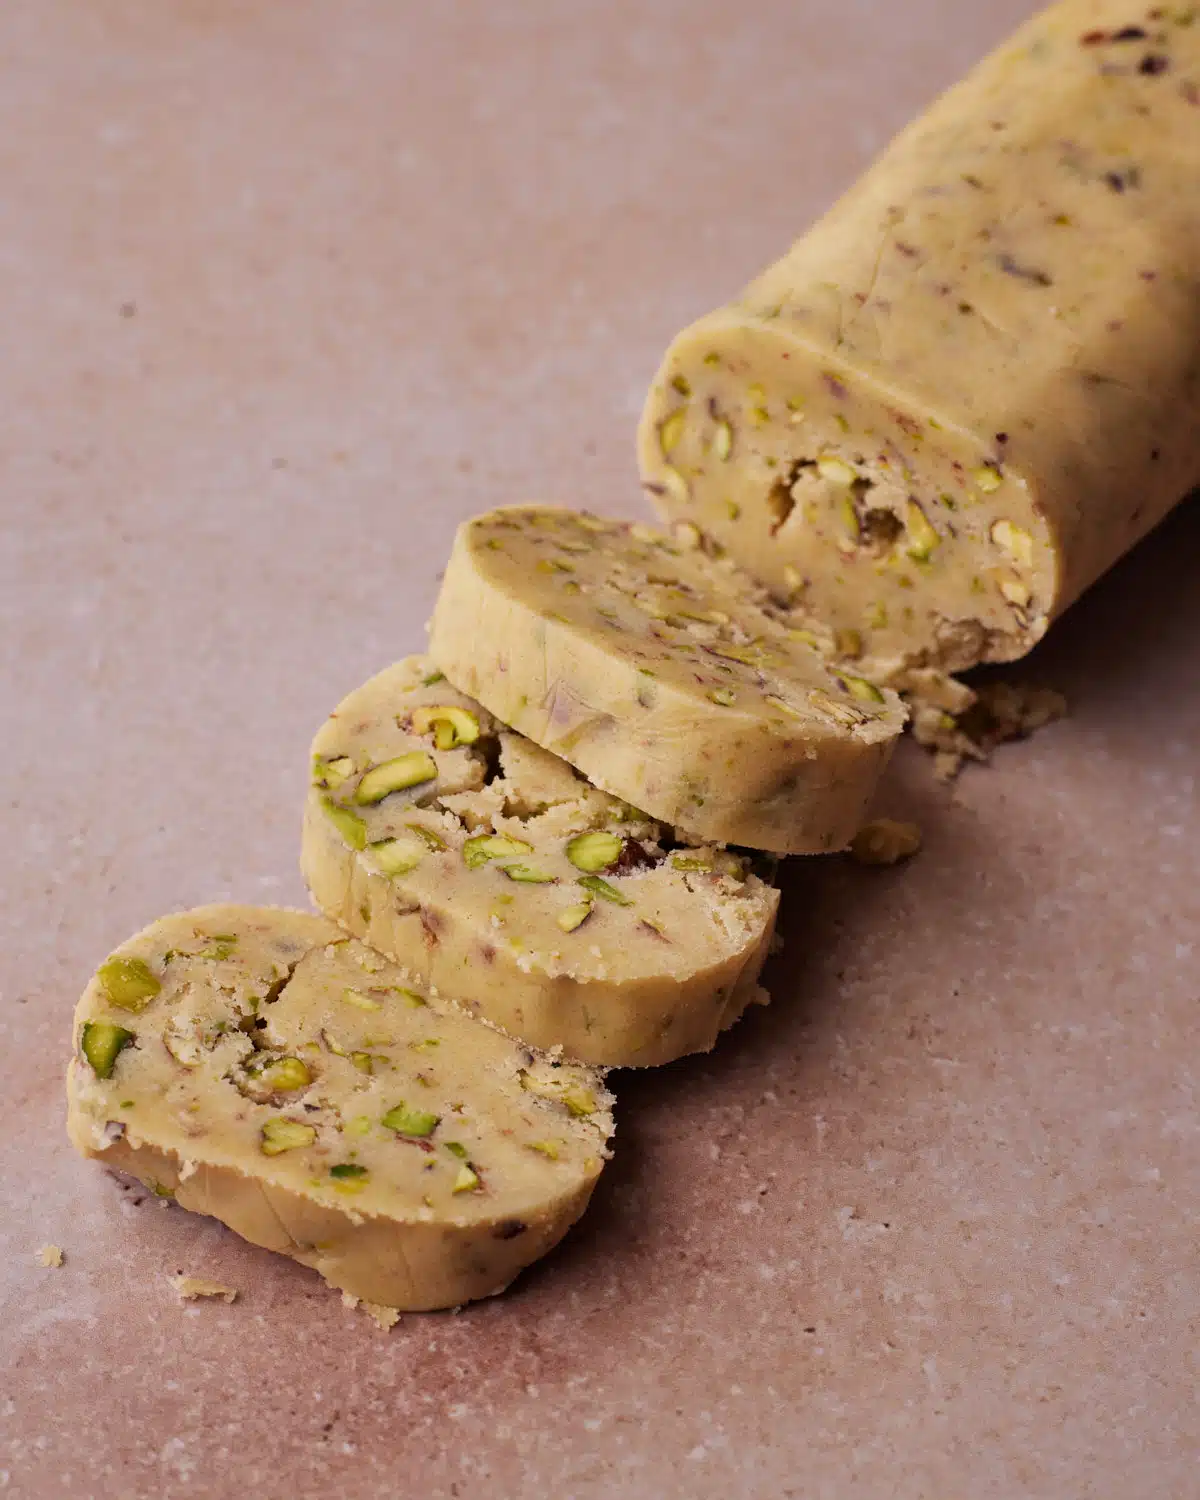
x=975, y=383
x=261, y=1053
x=654, y=671
x=503, y=878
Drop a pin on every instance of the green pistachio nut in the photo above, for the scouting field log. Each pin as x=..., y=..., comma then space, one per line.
x=398, y=856
x=279, y=1135
x=568, y=1092
x=128, y=983
x=427, y=836
x=348, y=824
x=601, y=888
x=396, y=775
x=417, y=1123
x=493, y=846
x=467, y=1179
x=286, y=1074
x=594, y=851
x=451, y=726
x=100, y=1043
x=528, y=874
x=572, y=917
x=864, y=691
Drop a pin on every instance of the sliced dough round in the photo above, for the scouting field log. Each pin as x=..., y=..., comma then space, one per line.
x=494, y=872
x=652, y=669
x=260, y=1066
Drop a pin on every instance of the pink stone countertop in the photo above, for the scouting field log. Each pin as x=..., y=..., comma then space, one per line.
x=287, y=290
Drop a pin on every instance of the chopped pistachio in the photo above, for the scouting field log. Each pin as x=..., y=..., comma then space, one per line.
x=835, y=470
x=100, y=1043
x=411, y=996
x=922, y=538
x=359, y=1125
x=331, y=773
x=1015, y=592
x=366, y=1062
x=687, y=535
x=675, y=485
x=285, y=1074
x=451, y=726
x=726, y=697
x=279, y=1135
x=712, y=359
x=396, y=775
x=572, y=917
x=848, y=643
x=434, y=840
x=397, y=856
x=433, y=677
x=723, y=441
x=849, y=517
x=1015, y=540
x=349, y=1176
x=602, y=888
x=128, y=983
x=418, y=1123
x=578, y=1101
x=671, y=430
x=528, y=874
x=361, y=1001
x=693, y=862
x=681, y=384
x=860, y=688
x=348, y=824
x=456, y=1148
x=551, y=1149
x=491, y=846
x=467, y=1179
x=594, y=851
x=987, y=478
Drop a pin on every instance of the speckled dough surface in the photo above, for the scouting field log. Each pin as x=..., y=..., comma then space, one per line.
x=653, y=670
x=259, y=1066
x=975, y=383
x=487, y=867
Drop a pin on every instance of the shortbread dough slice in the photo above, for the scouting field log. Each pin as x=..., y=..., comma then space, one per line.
x=491, y=870
x=653, y=670
x=975, y=383
x=260, y=1066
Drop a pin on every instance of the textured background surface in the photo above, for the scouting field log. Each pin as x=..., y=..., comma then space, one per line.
x=288, y=290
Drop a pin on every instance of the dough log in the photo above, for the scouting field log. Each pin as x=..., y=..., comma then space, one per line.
x=975, y=383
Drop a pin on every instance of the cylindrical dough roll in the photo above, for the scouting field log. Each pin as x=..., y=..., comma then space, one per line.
x=494, y=872
x=259, y=1066
x=975, y=383
x=656, y=673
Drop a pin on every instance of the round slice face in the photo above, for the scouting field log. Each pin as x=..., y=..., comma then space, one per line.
x=492, y=871
x=260, y=1066
x=652, y=669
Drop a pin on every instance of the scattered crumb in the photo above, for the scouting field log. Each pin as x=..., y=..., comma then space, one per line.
x=885, y=842
x=50, y=1256
x=386, y=1317
x=997, y=712
x=349, y=1301
x=191, y=1287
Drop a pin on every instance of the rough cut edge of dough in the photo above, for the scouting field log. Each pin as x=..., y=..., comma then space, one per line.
x=190, y=1288
x=385, y=1317
x=50, y=1256
x=992, y=714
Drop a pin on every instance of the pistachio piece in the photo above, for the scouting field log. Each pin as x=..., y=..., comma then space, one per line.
x=922, y=538
x=835, y=470
x=100, y=1042
x=411, y=996
x=528, y=874
x=602, y=888
x=1015, y=592
x=726, y=697
x=451, y=726
x=367, y=1062
x=1014, y=540
x=433, y=840
x=348, y=824
x=331, y=773
x=361, y=1001
x=397, y=775
x=675, y=485
x=848, y=642
x=349, y=1177
x=397, y=856
x=456, y=1148
x=550, y=1149
x=723, y=441
x=575, y=1099
x=987, y=478
x=671, y=430
x=286, y=1074
x=572, y=917
x=491, y=846
x=128, y=983
x=467, y=1179
x=279, y=1135
x=594, y=851
x=417, y=1123
x=358, y=1125
x=860, y=688
x=696, y=862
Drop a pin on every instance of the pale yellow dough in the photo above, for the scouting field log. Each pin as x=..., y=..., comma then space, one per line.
x=653, y=670
x=633, y=954
x=975, y=383
x=261, y=1051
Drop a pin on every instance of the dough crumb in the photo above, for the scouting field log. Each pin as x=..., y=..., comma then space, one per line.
x=997, y=712
x=191, y=1287
x=885, y=841
x=50, y=1256
x=386, y=1317
x=349, y=1300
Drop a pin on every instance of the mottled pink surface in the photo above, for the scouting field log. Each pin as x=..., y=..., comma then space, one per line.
x=289, y=289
